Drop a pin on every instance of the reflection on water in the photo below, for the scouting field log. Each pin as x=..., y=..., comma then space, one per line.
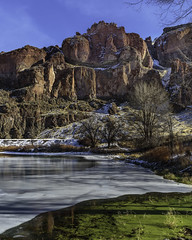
x=30, y=185
x=105, y=219
x=22, y=166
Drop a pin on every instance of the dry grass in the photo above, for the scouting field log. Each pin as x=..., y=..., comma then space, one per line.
x=9, y=148
x=27, y=148
x=158, y=154
x=182, y=162
x=53, y=148
x=65, y=148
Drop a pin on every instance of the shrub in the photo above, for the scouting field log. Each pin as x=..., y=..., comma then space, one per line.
x=170, y=176
x=182, y=162
x=9, y=148
x=52, y=148
x=64, y=148
x=85, y=142
x=158, y=154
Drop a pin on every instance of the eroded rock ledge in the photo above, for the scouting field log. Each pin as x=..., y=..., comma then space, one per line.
x=103, y=62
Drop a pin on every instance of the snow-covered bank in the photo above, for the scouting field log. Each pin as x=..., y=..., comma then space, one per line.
x=37, y=142
x=48, y=154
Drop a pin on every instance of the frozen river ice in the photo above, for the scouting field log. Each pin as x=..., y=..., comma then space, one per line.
x=30, y=185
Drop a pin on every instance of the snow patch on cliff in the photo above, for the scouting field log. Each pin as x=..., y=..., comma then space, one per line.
x=166, y=77
x=107, y=68
x=164, y=72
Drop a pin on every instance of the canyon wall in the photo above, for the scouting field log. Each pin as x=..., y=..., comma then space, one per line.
x=103, y=63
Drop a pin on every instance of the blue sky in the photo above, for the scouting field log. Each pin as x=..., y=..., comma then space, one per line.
x=48, y=22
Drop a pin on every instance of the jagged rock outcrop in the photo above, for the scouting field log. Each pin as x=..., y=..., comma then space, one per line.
x=85, y=82
x=116, y=57
x=151, y=48
x=102, y=63
x=180, y=84
x=173, y=49
x=116, y=81
x=104, y=44
x=174, y=43
x=11, y=63
x=28, y=119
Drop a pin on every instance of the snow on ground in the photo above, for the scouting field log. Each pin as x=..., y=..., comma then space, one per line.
x=104, y=109
x=107, y=68
x=164, y=72
x=185, y=116
x=37, y=142
x=69, y=135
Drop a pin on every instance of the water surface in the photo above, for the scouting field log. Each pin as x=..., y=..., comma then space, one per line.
x=30, y=185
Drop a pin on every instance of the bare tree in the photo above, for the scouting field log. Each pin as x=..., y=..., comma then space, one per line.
x=91, y=131
x=150, y=104
x=170, y=126
x=111, y=130
x=179, y=9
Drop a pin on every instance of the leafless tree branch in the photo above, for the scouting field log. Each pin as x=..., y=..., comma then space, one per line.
x=176, y=10
x=150, y=104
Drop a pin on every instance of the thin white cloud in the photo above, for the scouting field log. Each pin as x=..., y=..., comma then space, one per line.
x=18, y=29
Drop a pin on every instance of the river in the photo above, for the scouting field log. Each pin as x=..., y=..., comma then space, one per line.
x=30, y=185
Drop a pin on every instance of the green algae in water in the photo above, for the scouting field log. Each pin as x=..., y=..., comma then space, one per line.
x=150, y=216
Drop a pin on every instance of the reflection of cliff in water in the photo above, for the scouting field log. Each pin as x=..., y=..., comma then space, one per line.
x=22, y=166
x=103, y=219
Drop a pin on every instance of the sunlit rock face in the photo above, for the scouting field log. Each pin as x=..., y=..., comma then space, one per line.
x=180, y=84
x=11, y=63
x=102, y=63
x=173, y=49
x=105, y=43
x=115, y=58
x=175, y=43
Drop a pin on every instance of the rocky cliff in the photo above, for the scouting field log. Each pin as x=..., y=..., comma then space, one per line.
x=103, y=62
x=38, y=85
x=174, y=43
x=173, y=49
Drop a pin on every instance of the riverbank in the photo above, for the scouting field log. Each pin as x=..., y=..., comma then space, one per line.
x=177, y=167
x=150, y=216
x=31, y=184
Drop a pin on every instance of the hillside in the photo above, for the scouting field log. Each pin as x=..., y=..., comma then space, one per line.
x=55, y=86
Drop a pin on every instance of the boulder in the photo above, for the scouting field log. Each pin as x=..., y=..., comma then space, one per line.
x=76, y=49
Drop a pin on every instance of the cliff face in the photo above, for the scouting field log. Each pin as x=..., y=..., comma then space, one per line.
x=105, y=44
x=174, y=43
x=13, y=62
x=103, y=62
x=174, y=49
